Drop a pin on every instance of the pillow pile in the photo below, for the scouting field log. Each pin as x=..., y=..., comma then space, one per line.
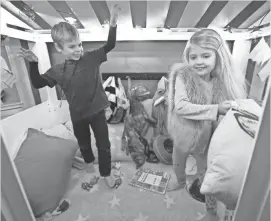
x=44, y=164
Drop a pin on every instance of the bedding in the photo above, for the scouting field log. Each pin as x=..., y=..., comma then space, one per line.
x=59, y=130
x=44, y=165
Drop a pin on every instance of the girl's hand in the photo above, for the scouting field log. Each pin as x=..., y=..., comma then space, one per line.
x=224, y=107
x=28, y=55
x=114, y=15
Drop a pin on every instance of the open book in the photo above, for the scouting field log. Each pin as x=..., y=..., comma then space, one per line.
x=152, y=180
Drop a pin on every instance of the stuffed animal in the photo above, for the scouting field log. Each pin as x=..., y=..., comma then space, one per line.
x=136, y=145
x=136, y=124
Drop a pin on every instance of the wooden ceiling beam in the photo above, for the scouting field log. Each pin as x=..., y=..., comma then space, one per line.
x=31, y=14
x=139, y=13
x=245, y=13
x=18, y=14
x=210, y=14
x=66, y=13
x=101, y=10
x=258, y=14
x=175, y=12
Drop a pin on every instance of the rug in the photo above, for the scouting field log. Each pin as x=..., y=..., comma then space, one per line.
x=127, y=203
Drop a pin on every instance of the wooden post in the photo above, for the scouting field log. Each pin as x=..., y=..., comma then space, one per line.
x=254, y=195
x=15, y=205
x=18, y=67
x=41, y=51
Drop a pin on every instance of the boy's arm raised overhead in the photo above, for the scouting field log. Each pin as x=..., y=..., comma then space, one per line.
x=37, y=80
x=100, y=54
x=111, y=41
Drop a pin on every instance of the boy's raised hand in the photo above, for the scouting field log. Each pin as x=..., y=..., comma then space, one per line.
x=114, y=15
x=28, y=55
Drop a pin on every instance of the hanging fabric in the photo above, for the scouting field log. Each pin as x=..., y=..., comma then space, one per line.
x=110, y=91
x=122, y=100
x=7, y=77
x=118, y=101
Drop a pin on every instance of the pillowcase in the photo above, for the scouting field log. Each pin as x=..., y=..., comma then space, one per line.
x=230, y=150
x=59, y=130
x=44, y=165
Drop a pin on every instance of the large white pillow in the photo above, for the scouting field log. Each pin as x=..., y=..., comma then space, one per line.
x=230, y=150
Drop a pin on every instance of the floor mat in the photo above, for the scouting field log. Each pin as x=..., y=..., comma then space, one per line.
x=127, y=203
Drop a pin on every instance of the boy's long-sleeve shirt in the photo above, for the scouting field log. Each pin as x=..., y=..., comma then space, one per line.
x=80, y=80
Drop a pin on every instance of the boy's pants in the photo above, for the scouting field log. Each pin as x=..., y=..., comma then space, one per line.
x=99, y=127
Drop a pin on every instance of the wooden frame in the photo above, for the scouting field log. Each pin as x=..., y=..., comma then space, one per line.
x=255, y=194
x=247, y=207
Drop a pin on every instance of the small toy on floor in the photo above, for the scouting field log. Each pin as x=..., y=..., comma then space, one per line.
x=94, y=180
x=118, y=174
x=86, y=186
x=63, y=206
x=89, y=185
x=116, y=165
x=118, y=183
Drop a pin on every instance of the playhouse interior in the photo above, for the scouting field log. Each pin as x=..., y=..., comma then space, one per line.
x=151, y=37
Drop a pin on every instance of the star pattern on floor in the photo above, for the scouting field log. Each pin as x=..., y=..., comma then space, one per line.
x=200, y=216
x=75, y=176
x=169, y=201
x=115, y=201
x=95, y=188
x=82, y=218
x=141, y=217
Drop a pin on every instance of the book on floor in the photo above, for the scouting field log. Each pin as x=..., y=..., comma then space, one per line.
x=152, y=180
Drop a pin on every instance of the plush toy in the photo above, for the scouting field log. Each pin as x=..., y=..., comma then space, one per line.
x=136, y=124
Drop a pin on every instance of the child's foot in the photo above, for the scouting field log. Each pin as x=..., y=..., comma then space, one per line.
x=174, y=185
x=110, y=181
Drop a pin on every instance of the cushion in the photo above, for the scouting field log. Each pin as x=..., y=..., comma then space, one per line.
x=44, y=164
x=59, y=130
x=115, y=133
x=229, y=154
